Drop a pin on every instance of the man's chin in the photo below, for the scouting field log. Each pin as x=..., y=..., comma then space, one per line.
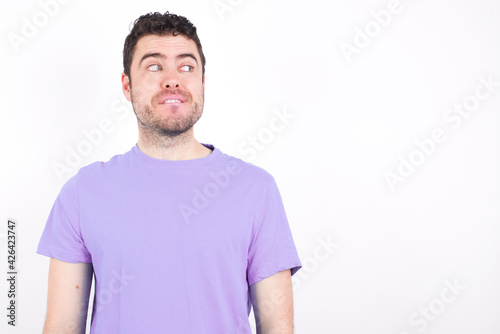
x=173, y=131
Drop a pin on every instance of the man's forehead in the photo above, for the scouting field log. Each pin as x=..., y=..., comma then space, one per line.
x=164, y=44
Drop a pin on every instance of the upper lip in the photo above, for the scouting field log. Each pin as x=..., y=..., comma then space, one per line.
x=179, y=97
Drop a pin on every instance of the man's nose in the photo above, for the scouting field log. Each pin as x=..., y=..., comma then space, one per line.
x=170, y=79
x=172, y=85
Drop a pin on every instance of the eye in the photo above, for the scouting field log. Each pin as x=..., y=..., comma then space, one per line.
x=187, y=68
x=154, y=68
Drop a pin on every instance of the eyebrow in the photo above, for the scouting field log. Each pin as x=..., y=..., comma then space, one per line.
x=162, y=56
x=187, y=55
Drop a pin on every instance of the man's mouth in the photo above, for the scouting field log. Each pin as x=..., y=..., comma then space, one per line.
x=172, y=98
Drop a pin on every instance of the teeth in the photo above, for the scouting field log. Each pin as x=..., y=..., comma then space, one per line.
x=172, y=101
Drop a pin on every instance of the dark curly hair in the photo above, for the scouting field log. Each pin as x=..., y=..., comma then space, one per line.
x=162, y=25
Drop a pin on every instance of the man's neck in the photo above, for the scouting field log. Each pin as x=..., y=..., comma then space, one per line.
x=181, y=147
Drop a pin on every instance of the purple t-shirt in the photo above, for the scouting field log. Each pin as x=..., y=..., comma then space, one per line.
x=175, y=245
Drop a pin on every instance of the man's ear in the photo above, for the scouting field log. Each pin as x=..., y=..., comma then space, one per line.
x=203, y=80
x=126, y=86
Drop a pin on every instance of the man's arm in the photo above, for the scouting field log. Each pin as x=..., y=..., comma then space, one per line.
x=68, y=297
x=272, y=300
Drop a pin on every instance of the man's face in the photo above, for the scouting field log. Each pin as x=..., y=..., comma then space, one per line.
x=166, y=85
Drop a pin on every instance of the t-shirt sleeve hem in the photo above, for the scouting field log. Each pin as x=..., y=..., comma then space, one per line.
x=256, y=278
x=65, y=257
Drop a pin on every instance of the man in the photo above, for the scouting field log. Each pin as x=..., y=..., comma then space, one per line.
x=180, y=237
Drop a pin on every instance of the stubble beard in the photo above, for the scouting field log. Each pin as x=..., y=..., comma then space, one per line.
x=159, y=129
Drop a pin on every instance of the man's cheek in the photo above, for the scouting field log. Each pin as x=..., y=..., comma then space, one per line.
x=150, y=81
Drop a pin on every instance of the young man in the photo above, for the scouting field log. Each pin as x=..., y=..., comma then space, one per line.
x=180, y=237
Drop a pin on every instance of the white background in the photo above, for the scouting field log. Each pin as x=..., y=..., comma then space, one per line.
x=354, y=119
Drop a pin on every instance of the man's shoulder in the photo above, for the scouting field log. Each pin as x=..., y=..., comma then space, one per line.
x=112, y=165
x=247, y=170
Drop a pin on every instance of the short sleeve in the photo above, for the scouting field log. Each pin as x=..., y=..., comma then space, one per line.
x=62, y=238
x=272, y=248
